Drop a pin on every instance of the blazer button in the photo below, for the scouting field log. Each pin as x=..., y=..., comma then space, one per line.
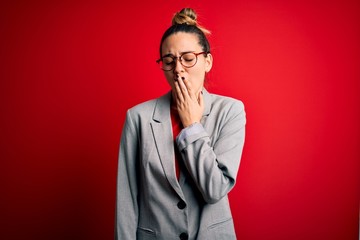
x=181, y=205
x=184, y=236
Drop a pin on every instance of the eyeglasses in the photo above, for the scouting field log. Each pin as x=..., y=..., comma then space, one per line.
x=188, y=60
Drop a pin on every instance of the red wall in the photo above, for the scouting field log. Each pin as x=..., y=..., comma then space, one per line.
x=69, y=70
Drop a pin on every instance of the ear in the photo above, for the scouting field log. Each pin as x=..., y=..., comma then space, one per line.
x=208, y=62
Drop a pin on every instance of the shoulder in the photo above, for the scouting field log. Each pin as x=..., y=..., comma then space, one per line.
x=226, y=109
x=143, y=107
x=146, y=109
x=225, y=103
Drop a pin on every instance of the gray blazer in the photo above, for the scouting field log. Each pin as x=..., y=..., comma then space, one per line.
x=151, y=203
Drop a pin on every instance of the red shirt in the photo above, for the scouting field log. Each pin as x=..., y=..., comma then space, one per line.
x=176, y=129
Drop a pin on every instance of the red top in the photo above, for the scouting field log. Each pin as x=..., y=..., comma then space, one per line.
x=176, y=129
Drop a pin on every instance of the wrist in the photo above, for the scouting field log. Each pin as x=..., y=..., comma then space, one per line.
x=189, y=124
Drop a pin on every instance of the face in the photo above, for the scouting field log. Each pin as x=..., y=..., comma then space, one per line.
x=181, y=42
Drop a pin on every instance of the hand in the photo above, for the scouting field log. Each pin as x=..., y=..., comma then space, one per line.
x=190, y=105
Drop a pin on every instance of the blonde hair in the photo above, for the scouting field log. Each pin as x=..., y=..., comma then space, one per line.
x=186, y=21
x=188, y=16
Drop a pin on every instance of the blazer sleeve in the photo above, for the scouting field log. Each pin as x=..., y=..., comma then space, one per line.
x=214, y=168
x=126, y=216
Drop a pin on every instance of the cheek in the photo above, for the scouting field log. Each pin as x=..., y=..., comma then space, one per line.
x=200, y=71
x=199, y=76
x=197, y=81
x=169, y=78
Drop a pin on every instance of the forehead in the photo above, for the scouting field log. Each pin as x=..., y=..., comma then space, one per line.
x=181, y=42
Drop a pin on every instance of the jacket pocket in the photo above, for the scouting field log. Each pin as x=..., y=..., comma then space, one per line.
x=223, y=230
x=145, y=234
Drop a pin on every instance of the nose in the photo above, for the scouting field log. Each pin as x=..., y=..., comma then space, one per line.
x=178, y=66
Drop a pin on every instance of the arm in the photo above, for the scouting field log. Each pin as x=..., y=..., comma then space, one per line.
x=126, y=219
x=214, y=169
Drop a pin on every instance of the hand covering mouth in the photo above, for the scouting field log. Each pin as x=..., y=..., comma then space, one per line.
x=178, y=78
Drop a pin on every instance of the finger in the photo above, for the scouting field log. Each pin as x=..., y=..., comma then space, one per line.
x=189, y=89
x=179, y=95
x=183, y=88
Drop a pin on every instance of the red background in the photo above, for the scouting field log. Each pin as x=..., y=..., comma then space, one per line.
x=70, y=69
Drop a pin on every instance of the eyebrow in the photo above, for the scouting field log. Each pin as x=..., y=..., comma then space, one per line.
x=172, y=55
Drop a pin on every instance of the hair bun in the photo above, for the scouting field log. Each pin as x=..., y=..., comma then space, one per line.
x=185, y=16
x=188, y=16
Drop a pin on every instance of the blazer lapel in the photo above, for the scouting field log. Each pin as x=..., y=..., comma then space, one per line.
x=162, y=133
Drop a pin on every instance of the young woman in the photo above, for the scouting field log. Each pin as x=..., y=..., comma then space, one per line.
x=180, y=153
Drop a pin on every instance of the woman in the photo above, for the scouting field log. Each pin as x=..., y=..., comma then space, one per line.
x=180, y=153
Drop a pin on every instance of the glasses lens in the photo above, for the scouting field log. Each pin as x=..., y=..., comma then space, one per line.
x=188, y=59
x=167, y=63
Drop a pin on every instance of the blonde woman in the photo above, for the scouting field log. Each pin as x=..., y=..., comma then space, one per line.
x=180, y=153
